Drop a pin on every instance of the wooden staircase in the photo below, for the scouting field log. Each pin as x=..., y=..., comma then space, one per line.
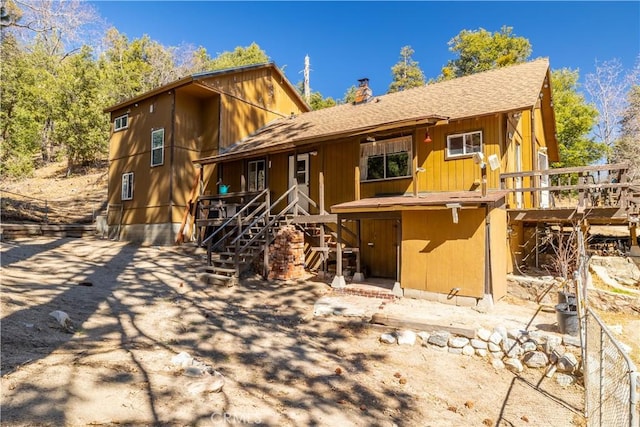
x=236, y=243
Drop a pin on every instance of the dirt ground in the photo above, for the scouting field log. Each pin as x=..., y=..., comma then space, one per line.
x=134, y=308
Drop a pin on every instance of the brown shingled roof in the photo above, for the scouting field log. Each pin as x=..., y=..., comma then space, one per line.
x=500, y=90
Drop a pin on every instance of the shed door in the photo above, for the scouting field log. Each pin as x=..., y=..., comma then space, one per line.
x=299, y=174
x=379, y=247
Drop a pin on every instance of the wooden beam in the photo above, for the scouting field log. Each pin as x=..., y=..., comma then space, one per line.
x=418, y=324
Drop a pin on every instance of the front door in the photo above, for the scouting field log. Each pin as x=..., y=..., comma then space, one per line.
x=379, y=246
x=299, y=174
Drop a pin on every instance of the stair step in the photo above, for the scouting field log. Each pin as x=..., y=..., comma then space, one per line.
x=217, y=269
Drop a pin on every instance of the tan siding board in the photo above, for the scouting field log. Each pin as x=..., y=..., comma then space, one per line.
x=433, y=247
x=340, y=162
x=499, y=246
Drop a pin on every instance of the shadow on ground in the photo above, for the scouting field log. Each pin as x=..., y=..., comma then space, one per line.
x=134, y=308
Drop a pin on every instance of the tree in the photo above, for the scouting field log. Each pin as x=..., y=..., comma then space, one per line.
x=318, y=102
x=406, y=73
x=19, y=126
x=60, y=26
x=350, y=95
x=575, y=120
x=480, y=50
x=627, y=147
x=81, y=127
x=609, y=88
x=240, y=56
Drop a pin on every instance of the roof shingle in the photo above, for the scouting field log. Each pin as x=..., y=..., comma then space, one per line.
x=500, y=90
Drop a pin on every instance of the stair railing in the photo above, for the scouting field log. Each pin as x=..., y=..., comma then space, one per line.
x=237, y=218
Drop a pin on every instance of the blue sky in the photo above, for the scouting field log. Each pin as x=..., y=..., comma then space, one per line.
x=350, y=40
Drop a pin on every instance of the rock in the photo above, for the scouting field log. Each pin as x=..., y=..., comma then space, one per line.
x=483, y=334
x=621, y=269
x=496, y=354
x=567, y=363
x=440, y=338
x=497, y=364
x=458, y=342
x=515, y=334
x=495, y=338
x=514, y=351
x=535, y=359
x=388, y=338
x=494, y=347
x=406, y=337
x=424, y=336
x=551, y=343
x=194, y=371
x=550, y=371
x=182, y=360
x=502, y=331
x=507, y=344
x=63, y=319
x=536, y=337
x=467, y=350
x=481, y=352
x=478, y=344
x=455, y=350
x=529, y=346
x=565, y=380
x=570, y=340
x=513, y=364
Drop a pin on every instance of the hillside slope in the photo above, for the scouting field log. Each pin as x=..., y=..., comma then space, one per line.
x=52, y=196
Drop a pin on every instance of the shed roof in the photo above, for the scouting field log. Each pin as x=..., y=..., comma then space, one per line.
x=443, y=198
x=500, y=90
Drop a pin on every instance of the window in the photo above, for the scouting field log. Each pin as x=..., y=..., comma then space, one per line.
x=157, y=147
x=127, y=186
x=463, y=144
x=390, y=158
x=121, y=122
x=256, y=175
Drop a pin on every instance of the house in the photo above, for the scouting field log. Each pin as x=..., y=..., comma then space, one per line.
x=156, y=137
x=407, y=182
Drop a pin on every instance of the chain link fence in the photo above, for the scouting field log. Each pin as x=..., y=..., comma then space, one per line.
x=611, y=379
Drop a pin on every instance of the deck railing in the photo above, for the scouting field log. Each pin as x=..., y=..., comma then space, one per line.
x=588, y=186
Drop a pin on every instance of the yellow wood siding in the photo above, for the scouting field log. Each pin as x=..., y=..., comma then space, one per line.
x=130, y=151
x=457, y=173
x=433, y=247
x=498, y=248
x=340, y=161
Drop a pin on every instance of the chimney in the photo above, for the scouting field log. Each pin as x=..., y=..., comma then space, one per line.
x=363, y=92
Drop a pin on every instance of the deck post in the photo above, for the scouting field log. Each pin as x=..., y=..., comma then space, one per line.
x=338, y=280
x=265, y=269
x=358, y=276
x=324, y=254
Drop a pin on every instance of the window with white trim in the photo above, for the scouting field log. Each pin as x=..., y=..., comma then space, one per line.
x=256, y=178
x=121, y=122
x=386, y=159
x=464, y=144
x=157, y=147
x=127, y=186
